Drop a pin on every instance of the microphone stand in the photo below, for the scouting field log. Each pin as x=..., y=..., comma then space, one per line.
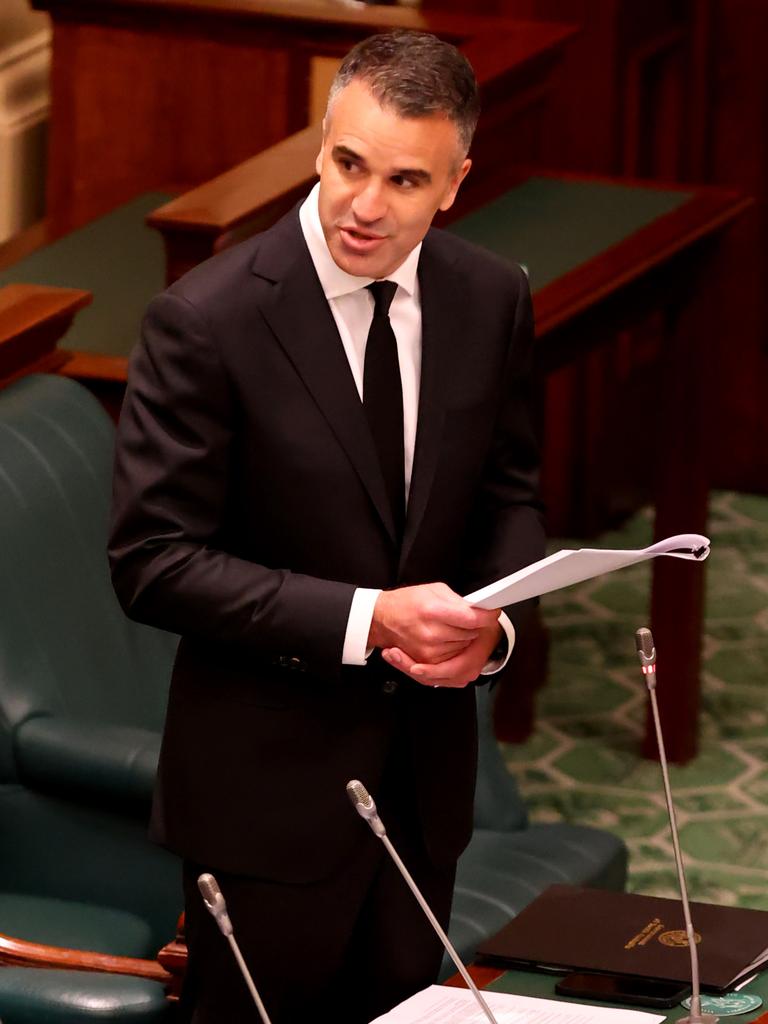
x=647, y=653
x=363, y=803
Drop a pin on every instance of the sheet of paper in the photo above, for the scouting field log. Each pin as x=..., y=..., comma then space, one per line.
x=440, y=1005
x=567, y=567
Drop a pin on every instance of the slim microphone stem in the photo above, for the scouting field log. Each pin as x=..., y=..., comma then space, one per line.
x=248, y=979
x=363, y=803
x=217, y=907
x=436, y=925
x=695, y=1016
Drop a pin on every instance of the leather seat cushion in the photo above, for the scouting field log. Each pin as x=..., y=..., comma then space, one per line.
x=57, y=922
x=34, y=996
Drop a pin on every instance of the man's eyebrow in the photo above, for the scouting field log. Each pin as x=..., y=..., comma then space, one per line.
x=346, y=151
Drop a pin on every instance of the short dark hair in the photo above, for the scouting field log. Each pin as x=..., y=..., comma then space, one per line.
x=417, y=75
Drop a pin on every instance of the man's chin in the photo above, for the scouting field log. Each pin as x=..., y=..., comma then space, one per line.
x=374, y=265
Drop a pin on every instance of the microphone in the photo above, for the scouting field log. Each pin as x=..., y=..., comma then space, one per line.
x=216, y=904
x=363, y=803
x=646, y=652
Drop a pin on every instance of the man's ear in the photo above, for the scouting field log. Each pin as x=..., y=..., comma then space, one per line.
x=453, y=188
x=319, y=160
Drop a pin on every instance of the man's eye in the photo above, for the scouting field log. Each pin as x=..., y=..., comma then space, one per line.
x=402, y=182
x=348, y=165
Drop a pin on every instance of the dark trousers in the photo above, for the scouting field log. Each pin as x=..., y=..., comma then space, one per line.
x=346, y=948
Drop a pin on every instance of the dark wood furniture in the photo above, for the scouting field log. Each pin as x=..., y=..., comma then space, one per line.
x=32, y=320
x=147, y=93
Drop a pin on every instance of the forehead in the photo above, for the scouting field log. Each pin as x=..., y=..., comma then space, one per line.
x=381, y=136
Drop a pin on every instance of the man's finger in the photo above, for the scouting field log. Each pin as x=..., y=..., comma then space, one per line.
x=463, y=616
x=452, y=672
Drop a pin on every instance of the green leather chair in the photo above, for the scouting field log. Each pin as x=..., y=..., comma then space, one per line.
x=82, y=695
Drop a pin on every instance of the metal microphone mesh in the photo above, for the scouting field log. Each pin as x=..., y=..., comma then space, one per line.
x=209, y=890
x=357, y=793
x=644, y=643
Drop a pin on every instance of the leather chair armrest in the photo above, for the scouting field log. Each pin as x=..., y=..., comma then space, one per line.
x=59, y=754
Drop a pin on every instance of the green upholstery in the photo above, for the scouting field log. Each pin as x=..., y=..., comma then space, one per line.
x=509, y=861
x=555, y=224
x=49, y=920
x=117, y=258
x=73, y=997
x=82, y=697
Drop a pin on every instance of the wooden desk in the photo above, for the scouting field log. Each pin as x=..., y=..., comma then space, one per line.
x=541, y=985
x=604, y=257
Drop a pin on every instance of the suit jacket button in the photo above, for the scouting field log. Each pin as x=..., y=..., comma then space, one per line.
x=390, y=686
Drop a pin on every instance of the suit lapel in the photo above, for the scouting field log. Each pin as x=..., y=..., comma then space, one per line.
x=442, y=317
x=299, y=316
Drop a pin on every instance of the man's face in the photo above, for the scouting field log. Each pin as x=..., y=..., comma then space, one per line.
x=382, y=179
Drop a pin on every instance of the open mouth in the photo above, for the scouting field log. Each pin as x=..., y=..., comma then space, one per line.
x=360, y=241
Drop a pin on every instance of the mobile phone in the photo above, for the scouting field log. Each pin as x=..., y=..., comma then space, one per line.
x=615, y=988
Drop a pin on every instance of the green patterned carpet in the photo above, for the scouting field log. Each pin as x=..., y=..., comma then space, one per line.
x=582, y=765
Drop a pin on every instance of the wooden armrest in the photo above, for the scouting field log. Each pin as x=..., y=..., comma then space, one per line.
x=20, y=953
x=173, y=957
x=250, y=196
x=95, y=366
x=32, y=319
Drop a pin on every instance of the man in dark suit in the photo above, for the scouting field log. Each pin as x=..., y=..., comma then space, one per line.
x=309, y=473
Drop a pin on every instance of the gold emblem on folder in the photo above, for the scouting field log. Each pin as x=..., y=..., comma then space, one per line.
x=677, y=938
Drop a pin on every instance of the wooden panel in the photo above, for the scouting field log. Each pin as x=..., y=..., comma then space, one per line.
x=134, y=107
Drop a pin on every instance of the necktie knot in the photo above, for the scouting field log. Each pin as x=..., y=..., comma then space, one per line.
x=383, y=292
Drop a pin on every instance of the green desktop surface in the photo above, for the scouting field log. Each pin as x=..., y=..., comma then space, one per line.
x=542, y=984
x=119, y=259
x=552, y=225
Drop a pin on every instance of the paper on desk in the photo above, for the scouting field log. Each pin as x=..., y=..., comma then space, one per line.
x=440, y=1005
x=573, y=566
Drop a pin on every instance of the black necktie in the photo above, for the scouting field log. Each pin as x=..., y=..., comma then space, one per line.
x=383, y=398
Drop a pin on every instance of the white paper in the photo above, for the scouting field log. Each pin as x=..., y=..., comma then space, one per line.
x=441, y=1005
x=567, y=567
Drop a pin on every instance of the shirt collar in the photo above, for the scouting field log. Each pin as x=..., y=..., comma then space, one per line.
x=335, y=281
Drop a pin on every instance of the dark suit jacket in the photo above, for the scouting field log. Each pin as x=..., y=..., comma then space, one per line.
x=248, y=506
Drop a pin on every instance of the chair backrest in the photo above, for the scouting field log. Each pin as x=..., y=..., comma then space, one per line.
x=71, y=664
x=498, y=804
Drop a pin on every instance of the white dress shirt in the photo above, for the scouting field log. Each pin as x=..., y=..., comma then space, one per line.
x=352, y=307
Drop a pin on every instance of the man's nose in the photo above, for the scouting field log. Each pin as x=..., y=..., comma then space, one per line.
x=369, y=204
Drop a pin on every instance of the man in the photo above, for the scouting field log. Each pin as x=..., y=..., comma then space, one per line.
x=309, y=473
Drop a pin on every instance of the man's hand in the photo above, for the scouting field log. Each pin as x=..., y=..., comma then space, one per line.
x=460, y=670
x=430, y=627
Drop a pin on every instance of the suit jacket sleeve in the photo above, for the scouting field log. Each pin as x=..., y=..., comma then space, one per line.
x=170, y=566
x=505, y=529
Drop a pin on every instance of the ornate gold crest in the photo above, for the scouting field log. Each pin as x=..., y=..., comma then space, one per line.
x=677, y=938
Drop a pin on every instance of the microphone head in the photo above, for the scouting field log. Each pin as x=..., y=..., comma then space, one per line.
x=646, y=650
x=211, y=893
x=360, y=798
x=214, y=900
x=363, y=803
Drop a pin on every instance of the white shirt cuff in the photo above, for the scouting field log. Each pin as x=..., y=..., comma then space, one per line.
x=356, y=650
x=498, y=664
